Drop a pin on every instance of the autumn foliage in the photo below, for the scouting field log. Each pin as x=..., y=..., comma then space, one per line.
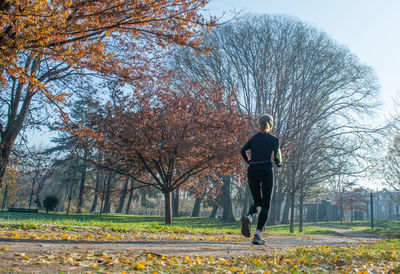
x=80, y=32
x=43, y=41
x=168, y=136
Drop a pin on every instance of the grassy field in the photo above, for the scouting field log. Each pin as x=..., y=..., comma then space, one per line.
x=381, y=227
x=204, y=225
x=127, y=223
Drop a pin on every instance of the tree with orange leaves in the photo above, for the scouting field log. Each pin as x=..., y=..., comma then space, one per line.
x=167, y=136
x=42, y=41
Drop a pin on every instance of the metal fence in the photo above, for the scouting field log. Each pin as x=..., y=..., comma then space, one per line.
x=381, y=207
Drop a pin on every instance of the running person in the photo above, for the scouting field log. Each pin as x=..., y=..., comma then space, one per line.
x=259, y=173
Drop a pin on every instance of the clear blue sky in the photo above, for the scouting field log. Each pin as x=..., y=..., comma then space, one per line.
x=369, y=28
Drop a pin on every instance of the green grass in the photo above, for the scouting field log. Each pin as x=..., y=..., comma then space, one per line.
x=381, y=227
x=134, y=223
x=308, y=229
x=121, y=222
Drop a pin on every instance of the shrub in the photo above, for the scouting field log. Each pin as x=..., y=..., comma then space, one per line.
x=50, y=203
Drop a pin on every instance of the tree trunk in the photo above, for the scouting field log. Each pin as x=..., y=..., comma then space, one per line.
x=38, y=203
x=341, y=208
x=103, y=193
x=292, y=196
x=4, y=156
x=175, y=203
x=123, y=196
x=16, y=115
x=352, y=209
x=107, y=200
x=272, y=211
x=168, y=209
x=214, y=210
x=196, y=208
x=69, y=194
x=278, y=207
x=301, y=212
x=246, y=199
x=227, y=215
x=128, y=205
x=96, y=191
x=31, y=197
x=3, y=203
x=69, y=202
x=285, y=217
x=70, y=187
x=82, y=185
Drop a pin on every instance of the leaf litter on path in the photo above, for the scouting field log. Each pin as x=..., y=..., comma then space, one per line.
x=101, y=251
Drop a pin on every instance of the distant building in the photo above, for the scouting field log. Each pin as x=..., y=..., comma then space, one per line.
x=321, y=211
x=387, y=205
x=356, y=206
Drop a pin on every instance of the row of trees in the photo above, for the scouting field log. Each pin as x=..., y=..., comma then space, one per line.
x=105, y=191
x=178, y=122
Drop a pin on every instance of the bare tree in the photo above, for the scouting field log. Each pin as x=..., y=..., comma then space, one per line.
x=314, y=88
x=39, y=169
x=392, y=165
x=388, y=163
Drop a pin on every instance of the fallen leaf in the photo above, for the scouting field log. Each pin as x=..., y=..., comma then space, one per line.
x=70, y=259
x=140, y=266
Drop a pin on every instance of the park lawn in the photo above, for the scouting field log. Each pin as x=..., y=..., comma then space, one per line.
x=387, y=228
x=308, y=229
x=364, y=258
x=137, y=224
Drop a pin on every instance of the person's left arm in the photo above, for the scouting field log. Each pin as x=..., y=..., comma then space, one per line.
x=277, y=153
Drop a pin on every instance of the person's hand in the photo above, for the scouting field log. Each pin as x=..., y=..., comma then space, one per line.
x=278, y=163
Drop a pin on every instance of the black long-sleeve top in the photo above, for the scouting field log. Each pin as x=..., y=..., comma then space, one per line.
x=262, y=145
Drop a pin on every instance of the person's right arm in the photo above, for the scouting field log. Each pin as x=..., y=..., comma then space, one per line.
x=246, y=147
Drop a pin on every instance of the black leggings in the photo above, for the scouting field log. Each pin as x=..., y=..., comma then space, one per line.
x=260, y=183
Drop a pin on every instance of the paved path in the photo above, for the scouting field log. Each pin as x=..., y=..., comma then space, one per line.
x=15, y=253
x=238, y=246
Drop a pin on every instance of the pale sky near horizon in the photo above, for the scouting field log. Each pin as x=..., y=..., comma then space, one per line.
x=369, y=28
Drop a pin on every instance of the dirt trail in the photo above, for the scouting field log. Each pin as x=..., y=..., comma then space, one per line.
x=26, y=252
x=237, y=246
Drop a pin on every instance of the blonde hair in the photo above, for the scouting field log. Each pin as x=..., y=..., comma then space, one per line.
x=265, y=123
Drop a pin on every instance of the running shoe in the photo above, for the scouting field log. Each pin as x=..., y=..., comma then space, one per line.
x=257, y=240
